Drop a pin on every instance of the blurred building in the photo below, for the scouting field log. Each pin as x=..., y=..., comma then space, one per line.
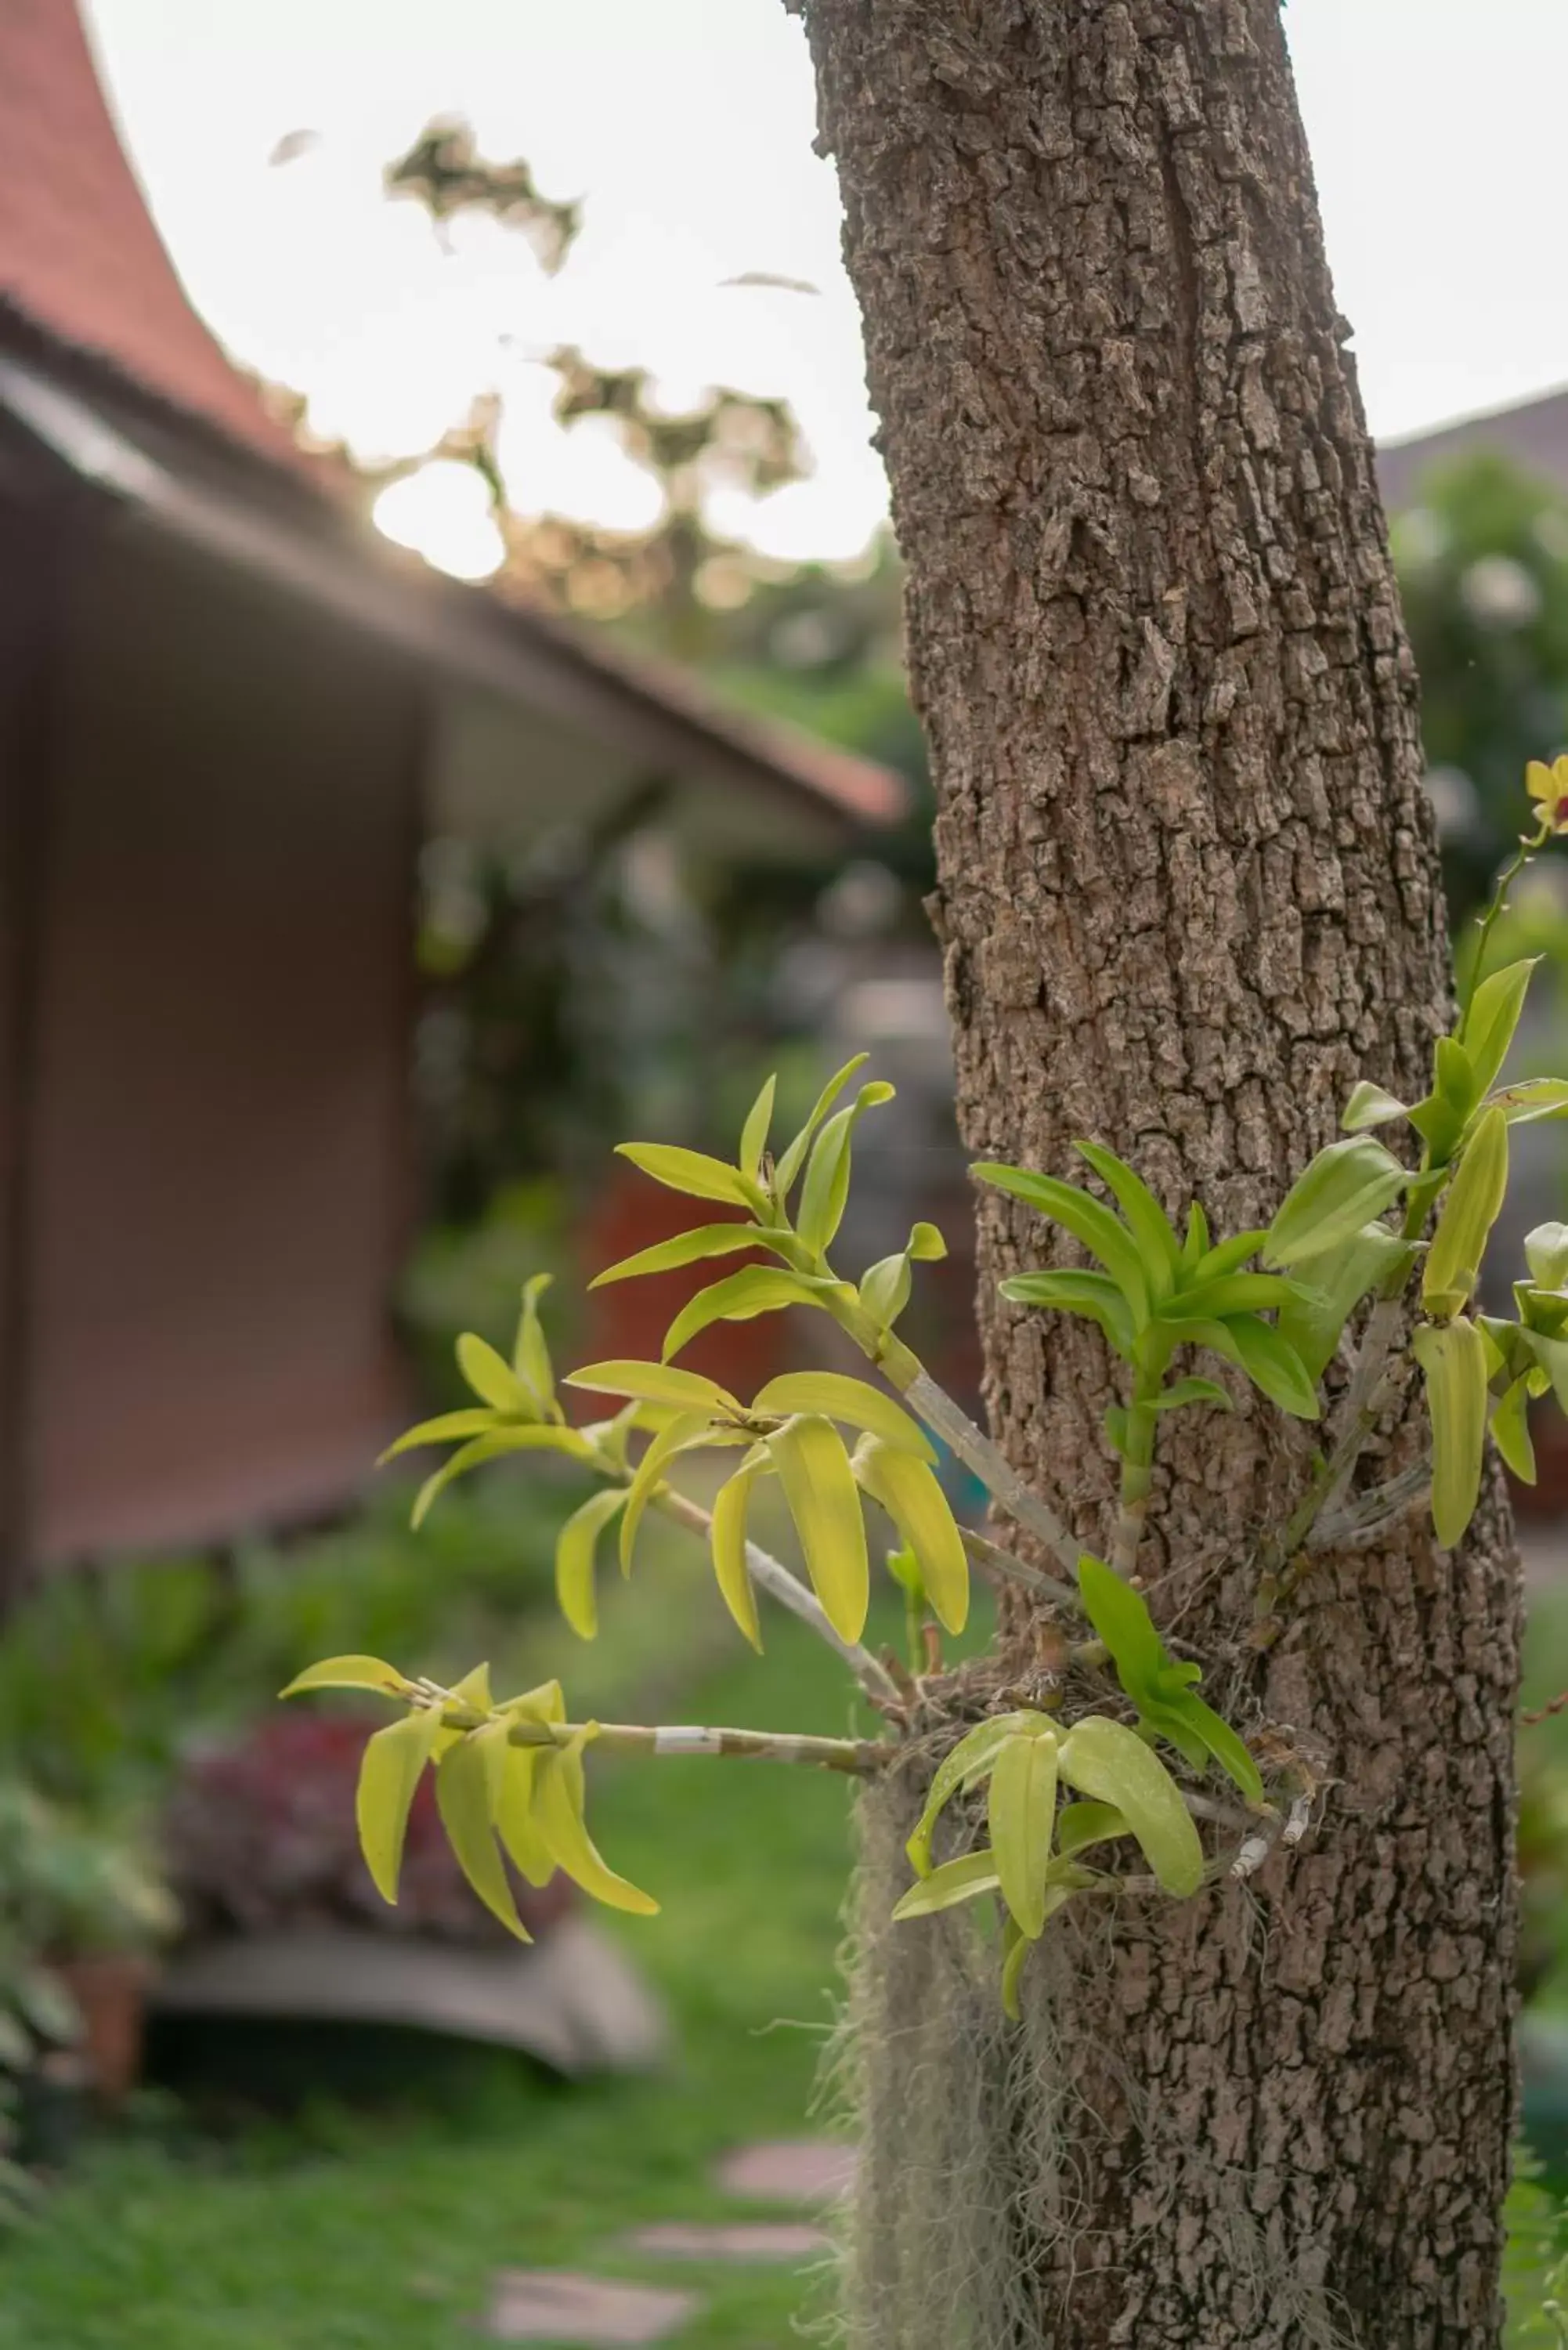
x=1532, y=434
x=230, y=714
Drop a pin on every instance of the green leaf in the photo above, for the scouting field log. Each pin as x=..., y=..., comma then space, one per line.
x=1227, y=1257
x=1022, y=1815
x=1195, y=1245
x=905, y=1569
x=954, y=1881
x=1106, y=1761
x=1369, y=1105
x=728, y=1540
x=1546, y=1255
x=1441, y=1117
x=684, y=1433
x=1185, y=1391
x=884, y=1289
x=1552, y=1354
x=389, y=1775
x=824, y=1503
x=1491, y=1019
x=1536, y=1099
x=1273, y=1366
x=1015, y=1949
x=1188, y=1722
x=1455, y=1076
x=1117, y=1427
x=794, y=1159
x=445, y=1430
x=1469, y=1213
x=468, y=1787
x=1102, y=1234
x=1510, y=1429
x=1082, y=1825
x=1217, y=1337
x=545, y=1703
x=350, y=1674
x=559, y=1811
x=1231, y=1293
x=688, y=1248
x=1453, y=1362
x=530, y=1352
x=754, y=1133
x=514, y=1437
x=826, y=1191
x=740, y=1297
x=1545, y=1310
x=473, y=1690
x=909, y=1492
x=1423, y=1194
x=837, y=1396
x=611, y=1439
x=960, y=1767
x=1345, y=1185
x=1150, y=1226
x=1439, y=1125
x=1093, y=1294
x=1313, y=1325
x=1508, y=1347
x=656, y=1383
x=692, y=1173
x=514, y=1822
x=1161, y=1720
x=576, y=1545
x=492, y=1379
x=1121, y=1618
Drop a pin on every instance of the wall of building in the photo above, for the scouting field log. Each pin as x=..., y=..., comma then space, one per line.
x=218, y=1157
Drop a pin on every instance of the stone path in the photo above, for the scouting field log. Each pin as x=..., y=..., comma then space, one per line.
x=555, y=2305
x=752, y=2241
x=788, y=2170
x=572, y=2311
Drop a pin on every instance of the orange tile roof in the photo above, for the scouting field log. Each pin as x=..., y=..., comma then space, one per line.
x=83, y=266
x=80, y=256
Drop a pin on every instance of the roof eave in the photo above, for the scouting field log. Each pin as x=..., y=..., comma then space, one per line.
x=307, y=543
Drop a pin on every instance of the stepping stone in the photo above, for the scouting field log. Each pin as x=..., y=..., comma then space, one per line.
x=752, y=2240
x=789, y=2171
x=584, y=2312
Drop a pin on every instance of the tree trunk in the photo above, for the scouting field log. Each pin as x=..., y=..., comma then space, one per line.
x=1187, y=896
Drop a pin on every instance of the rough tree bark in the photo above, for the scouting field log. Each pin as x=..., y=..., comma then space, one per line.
x=1187, y=896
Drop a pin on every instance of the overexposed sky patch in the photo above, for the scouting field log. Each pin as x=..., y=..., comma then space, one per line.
x=686, y=128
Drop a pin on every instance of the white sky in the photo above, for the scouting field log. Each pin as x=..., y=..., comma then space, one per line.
x=686, y=126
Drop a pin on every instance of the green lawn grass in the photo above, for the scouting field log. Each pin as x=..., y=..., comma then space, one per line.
x=344, y=2231
x=379, y=2230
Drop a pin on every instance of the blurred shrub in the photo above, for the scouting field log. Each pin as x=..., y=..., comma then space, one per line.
x=1535, y=2262
x=75, y=1887
x=107, y=1674
x=260, y=1834
x=1483, y=572
x=1543, y=1852
x=1542, y=1765
x=467, y=1276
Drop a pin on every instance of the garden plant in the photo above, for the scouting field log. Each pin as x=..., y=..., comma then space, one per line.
x=1086, y=1767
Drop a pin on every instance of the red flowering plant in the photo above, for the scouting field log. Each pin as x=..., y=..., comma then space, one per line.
x=261, y=1836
